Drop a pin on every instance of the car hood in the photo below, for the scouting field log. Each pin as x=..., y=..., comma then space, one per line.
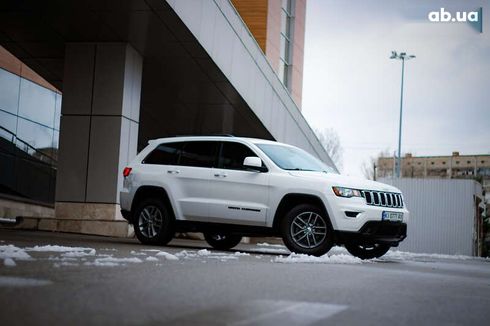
x=345, y=181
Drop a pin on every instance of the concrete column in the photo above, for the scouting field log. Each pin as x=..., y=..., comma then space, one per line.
x=98, y=136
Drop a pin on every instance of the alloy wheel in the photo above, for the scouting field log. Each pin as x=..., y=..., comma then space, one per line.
x=308, y=230
x=150, y=221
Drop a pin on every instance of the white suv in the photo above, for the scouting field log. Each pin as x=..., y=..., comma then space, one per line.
x=228, y=187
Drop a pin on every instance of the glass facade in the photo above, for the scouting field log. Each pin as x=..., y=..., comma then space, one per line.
x=29, y=133
x=285, y=45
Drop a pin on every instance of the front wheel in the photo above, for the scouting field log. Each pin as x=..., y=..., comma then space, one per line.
x=222, y=241
x=367, y=251
x=306, y=230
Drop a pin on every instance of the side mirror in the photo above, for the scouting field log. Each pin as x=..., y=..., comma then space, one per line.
x=254, y=163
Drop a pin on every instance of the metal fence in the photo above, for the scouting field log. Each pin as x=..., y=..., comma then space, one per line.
x=443, y=215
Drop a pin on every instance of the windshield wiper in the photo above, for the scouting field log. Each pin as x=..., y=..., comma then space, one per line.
x=298, y=169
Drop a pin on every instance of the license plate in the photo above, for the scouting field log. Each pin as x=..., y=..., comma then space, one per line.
x=392, y=216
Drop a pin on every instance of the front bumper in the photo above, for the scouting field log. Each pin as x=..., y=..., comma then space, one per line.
x=385, y=232
x=339, y=209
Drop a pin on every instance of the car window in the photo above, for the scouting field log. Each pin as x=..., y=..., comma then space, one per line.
x=199, y=154
x=233, y=154
x=164, y=154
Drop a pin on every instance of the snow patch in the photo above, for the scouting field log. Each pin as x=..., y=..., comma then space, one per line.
x=55, y=248
x=241, y=254
x=78, y=254
x=151, y=259
x=112, y=261
x=136, y=253
x=204, y=252
x=167, y=255
x=325, y=259
x=11, y=251
x=9, y=262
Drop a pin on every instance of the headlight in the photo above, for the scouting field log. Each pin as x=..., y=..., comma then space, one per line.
x=346, y=192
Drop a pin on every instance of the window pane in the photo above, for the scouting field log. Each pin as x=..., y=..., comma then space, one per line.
x=9, y=91
x=284, y=49
x=233, y=154
x=199, y=153
x=57, y=112
x=36, y=140
x=37, y=103
x=8, y=124
x=282, y=69
x=164, y=154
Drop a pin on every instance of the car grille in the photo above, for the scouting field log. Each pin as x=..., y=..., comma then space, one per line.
x=384, y=199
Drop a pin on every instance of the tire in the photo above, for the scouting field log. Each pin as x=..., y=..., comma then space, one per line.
x=367, y=251
x=306, y=229
x=154, y=224
x=222, y=241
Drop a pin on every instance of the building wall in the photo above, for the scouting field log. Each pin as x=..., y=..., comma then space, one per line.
x=29, y=132
x=265, y=20
x=442, y=215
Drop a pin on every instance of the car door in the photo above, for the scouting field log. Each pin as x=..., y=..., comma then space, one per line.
x=192, y=178
x=238, y=195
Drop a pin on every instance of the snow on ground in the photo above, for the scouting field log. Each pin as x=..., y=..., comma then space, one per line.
x=167, y=255
x=325, y=259
x=9, y=262
x=55, y=248
x=207, y=254
x=13, y=252
x=112, y=261
x=64, y=256
x=137, y=253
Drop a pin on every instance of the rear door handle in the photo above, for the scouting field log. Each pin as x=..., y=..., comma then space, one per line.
x=173, y=171
x=220, y=175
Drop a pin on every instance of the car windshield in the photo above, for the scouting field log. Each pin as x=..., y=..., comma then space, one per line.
x=294, y=159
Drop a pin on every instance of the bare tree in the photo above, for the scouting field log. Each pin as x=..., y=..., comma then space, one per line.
x=331, y=142
x=369, y=167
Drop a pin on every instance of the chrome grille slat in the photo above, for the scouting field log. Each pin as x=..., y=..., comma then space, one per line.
x=383, y=199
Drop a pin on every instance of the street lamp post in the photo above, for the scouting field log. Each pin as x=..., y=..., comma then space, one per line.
x=403, y=56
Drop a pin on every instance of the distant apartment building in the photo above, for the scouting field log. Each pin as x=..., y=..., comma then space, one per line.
x=456, y=166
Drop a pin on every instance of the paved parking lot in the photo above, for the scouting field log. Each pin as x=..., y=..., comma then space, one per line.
x=52, y=278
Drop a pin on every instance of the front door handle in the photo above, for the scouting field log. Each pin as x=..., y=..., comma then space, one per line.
x=173, y=171
x=220, y=175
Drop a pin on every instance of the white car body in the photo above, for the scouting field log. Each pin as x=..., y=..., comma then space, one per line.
x=251, y=198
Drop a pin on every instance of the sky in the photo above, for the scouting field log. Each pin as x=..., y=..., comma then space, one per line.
x=352, y=86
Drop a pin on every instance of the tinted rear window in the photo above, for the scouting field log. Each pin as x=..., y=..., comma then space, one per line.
x=199, y=153
x=164, y=154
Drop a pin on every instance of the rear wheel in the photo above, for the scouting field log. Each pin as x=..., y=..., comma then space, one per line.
x=153, y=222
x=222, y=241
x=367, y=251
x=306, y=230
